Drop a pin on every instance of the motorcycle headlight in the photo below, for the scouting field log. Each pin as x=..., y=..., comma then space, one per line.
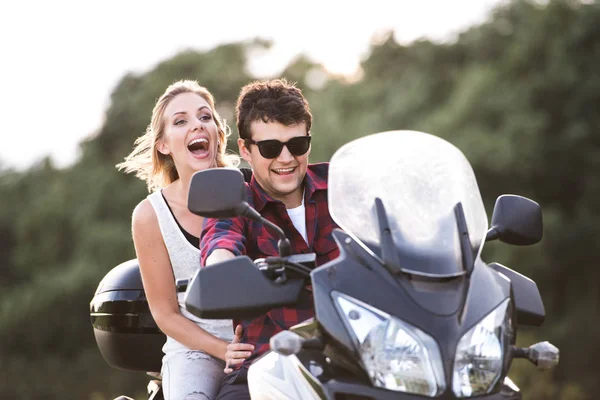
x=479, y=354
x=396, y=355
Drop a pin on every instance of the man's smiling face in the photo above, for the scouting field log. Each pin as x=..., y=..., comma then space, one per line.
x=280, y=177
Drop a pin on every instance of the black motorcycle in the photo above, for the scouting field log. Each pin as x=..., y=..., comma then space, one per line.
x=409, y=310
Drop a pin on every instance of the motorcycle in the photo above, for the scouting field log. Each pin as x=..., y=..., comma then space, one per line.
x=408, y=310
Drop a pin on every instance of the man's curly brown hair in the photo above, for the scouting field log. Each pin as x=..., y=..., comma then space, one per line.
x=274, y=100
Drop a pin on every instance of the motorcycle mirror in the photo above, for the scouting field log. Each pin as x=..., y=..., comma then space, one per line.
x=218, y=193
x=516, y=220
x=221, y=193
x=236, y=289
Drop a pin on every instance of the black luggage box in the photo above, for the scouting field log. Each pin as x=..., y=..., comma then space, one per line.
x=126, y=334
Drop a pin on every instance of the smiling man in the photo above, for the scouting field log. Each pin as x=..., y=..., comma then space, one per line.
x=273, y=121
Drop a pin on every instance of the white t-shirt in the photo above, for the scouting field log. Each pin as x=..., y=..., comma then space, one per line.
x=298, y=217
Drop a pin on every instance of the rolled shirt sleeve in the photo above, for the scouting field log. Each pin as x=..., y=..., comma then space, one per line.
x=227, y=234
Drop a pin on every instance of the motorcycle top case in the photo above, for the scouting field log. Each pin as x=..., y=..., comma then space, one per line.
x=126, y=333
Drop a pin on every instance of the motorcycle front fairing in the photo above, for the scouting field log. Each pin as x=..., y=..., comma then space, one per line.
x=354, y=276
x=414, y=209
x=424, y=282
x=335, y=372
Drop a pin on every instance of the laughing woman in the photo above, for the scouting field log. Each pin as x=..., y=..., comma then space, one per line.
x=185, y=135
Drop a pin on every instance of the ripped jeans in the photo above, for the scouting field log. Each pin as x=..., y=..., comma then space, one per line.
x=190, y=374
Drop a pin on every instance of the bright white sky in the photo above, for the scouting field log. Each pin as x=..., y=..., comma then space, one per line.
x=61, y=59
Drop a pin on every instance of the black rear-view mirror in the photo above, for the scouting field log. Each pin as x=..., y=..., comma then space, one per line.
x=516, y=220
x=217, y=193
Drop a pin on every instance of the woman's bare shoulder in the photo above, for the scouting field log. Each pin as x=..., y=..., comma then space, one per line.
x=144, y=216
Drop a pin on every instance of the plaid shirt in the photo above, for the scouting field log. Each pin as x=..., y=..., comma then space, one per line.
x=242, y=236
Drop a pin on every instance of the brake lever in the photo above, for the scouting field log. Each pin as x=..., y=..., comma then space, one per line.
x=273, y=271
x=281, y=279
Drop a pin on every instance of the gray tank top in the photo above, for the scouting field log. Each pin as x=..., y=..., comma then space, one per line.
x=185, y=260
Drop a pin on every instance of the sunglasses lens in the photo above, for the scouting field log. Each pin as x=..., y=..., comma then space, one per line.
x=270, y=148
x=299, y=145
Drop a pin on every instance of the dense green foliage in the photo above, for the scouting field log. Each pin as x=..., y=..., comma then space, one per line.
x=519, y=95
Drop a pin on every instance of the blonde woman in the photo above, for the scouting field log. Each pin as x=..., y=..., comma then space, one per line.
x=185, y=135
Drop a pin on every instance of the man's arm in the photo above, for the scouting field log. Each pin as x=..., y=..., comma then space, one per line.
x=219, y=255
x=222, y=239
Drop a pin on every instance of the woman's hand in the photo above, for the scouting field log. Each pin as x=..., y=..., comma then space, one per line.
x=237, y=352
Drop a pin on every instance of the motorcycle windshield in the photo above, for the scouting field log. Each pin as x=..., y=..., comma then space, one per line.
x=420, y=178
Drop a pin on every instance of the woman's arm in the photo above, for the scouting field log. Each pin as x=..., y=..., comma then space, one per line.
x=159, y=285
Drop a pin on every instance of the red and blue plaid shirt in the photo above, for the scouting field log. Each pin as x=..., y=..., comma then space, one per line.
x=242, y=236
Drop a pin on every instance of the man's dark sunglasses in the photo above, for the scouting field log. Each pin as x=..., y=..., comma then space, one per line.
x=272, y=148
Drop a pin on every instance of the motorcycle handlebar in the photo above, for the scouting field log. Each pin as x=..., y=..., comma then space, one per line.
x=276, y=268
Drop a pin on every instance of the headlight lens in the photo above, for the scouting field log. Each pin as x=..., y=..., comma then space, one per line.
x=479, y=354
x=396, y=355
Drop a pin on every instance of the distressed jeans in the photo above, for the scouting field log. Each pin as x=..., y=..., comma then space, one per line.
x=191, y=375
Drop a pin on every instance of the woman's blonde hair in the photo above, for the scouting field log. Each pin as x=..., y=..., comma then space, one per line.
x=157, y=169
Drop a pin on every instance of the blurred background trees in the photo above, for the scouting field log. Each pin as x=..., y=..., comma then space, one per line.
x=519, y=95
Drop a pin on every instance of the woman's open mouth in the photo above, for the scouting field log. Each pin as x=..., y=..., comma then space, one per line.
x=199, y=147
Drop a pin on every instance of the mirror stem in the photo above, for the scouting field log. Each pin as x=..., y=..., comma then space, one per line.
x=285, y=249
x=492, y=234
x=284, y=246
